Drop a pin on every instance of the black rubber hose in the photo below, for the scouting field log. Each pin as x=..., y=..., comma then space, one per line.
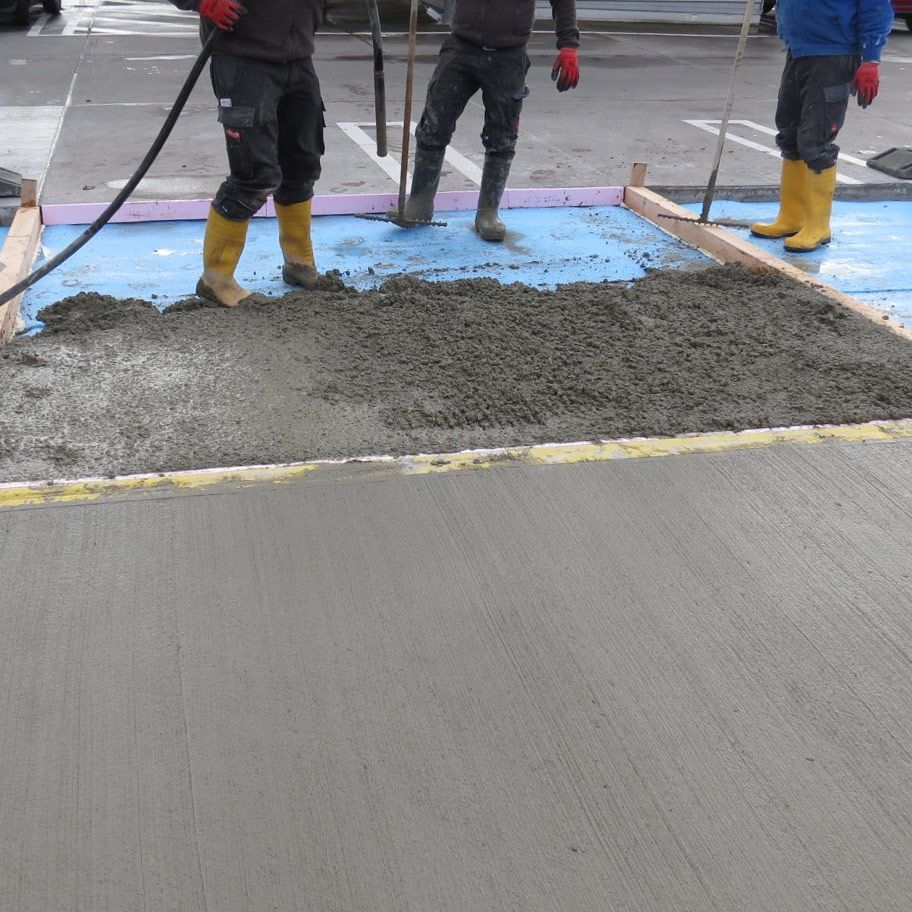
x=129, y=187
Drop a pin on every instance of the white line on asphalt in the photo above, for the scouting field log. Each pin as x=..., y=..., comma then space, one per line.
x=355, y=132
x=154, y=33
x=165, y=57
x=461, y=163
x=442, y=34
x=38, y=26
x=123, y=104
x=126, y=21
x=708, y=127
x=769, y=131
x=889, y=58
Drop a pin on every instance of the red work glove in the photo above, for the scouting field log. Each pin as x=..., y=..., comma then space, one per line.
x=866, y=82
x=565, y=71
x=223, y=13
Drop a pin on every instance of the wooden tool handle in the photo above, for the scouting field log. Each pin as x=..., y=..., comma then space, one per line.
x=407, y=112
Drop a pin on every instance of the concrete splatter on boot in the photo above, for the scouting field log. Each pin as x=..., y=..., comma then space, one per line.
x=425, y=178
x=297, y=248
x=493, y=182
x=223, y=245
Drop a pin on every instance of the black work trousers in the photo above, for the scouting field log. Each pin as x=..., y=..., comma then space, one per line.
x=463, y=69
x=272, y=115
x=813, y=98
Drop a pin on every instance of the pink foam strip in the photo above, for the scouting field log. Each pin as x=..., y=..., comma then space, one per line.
x=336, y=204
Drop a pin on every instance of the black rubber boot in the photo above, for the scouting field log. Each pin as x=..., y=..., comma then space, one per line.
x=425, y=178
x=493, y=181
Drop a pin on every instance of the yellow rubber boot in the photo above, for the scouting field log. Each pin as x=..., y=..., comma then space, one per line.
x=297, y=248
x=792, y=195
x=222, y=248
x=816, y=230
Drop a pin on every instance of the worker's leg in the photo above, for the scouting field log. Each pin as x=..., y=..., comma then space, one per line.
x=248, y=93
x=826, y=82
x=503, y=90
x=793, y=183
x=301, y=123
x=452, y=84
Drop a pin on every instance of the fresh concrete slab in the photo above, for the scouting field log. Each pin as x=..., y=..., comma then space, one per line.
x=544, y=248
x=648, y=685
x=116, y=387
x=866, y=258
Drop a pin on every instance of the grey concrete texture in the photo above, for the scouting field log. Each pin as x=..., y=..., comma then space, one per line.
x=636, y=92
x=646, y=685
x=114, y=387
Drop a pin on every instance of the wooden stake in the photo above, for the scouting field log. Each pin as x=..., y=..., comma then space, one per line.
x=637, y=174
x=29, y=192
x=18, y=253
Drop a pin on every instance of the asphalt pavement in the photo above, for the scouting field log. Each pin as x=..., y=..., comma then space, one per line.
x=84, y=95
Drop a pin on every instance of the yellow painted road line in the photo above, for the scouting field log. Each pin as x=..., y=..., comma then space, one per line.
x=19, y=494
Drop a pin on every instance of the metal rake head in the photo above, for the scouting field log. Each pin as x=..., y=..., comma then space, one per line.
x=395, y=218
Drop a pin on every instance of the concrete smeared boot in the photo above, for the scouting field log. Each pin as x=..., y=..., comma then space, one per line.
x=222, y=248
x=425, y=178
x=816, y=230
x=493, y=182
x=297, y=248
x=792, y=202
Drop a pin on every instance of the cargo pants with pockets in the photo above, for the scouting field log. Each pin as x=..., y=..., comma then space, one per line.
x=272, y=116
x=463, y=69
x=813, y=98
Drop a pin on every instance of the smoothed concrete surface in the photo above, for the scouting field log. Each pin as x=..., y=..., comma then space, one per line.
x=672, y=684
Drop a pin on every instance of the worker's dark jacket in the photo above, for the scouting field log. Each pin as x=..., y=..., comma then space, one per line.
x=508, y=23
x=275, y=30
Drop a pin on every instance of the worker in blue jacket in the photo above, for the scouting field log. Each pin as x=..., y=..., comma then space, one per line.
x=833, y=47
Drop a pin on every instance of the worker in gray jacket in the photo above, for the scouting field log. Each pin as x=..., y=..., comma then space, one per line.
x=485, y=50
x=271, y=111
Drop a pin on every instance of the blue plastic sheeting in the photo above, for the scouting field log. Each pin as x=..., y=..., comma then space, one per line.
x=160, y=261
x=868, y=257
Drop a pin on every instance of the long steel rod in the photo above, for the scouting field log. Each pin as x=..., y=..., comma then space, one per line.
x=379, y=78
x=407, y=113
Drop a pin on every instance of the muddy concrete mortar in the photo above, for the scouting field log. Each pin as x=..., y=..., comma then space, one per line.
x=115, y=387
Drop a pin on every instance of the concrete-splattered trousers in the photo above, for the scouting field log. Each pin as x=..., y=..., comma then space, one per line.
x=272, y=115
x=813, y=98
x=463, y=69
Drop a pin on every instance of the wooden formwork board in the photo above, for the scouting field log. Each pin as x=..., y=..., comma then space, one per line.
x=726, y=247
x=17, y=255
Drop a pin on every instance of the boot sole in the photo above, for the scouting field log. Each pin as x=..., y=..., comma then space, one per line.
x=499, y=237
x=808, y=249
x=207, y=294
x=308, y=285
x=775, y=237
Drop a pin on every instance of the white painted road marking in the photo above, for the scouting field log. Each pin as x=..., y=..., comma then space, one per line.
x=117, y=17
x=712, y=126
x=355, y=132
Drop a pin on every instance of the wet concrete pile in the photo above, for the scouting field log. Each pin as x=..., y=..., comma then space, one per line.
x=115, y=387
